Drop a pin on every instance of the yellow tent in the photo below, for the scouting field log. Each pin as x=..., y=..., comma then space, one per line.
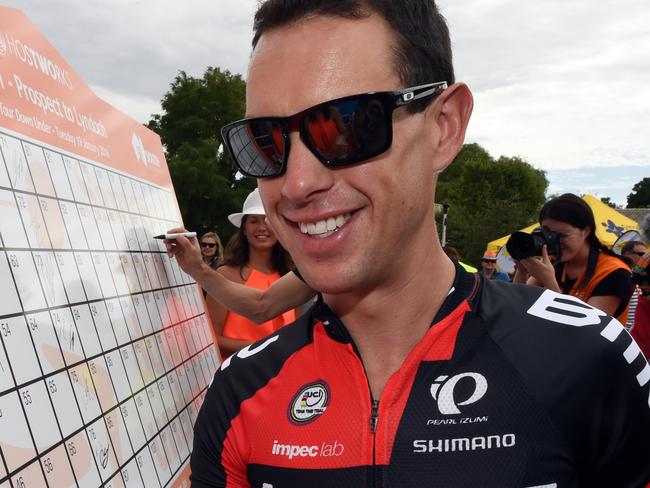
x=610, y=224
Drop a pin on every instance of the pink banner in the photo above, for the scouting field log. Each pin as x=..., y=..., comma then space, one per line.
x=42, y=97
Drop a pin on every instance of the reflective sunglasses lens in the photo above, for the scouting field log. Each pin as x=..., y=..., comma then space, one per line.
x=258, y=147
x=208, y=244
x=349, y=131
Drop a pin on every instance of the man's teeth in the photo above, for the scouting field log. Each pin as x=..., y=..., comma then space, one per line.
x=328, y=226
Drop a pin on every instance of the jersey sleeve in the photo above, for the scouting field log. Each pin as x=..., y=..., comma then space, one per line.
x=213, y=463
x=586, y=371
x=221, y=450
x=616, y=450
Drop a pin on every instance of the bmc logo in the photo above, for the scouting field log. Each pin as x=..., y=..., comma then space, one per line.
x=443, y=391
x=565, y=309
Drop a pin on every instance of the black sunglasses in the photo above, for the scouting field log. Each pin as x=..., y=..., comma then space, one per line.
x=208, y=244
x=339, y=132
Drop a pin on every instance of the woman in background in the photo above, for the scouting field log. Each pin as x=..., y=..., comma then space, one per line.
x=253, y=257
x=585, y=269
x=211, y=249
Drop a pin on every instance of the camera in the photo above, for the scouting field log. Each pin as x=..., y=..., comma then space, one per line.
x=522, y=245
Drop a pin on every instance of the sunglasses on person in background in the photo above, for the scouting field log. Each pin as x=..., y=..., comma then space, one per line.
x=638, y=253
x=339, y=132
x=208, y=244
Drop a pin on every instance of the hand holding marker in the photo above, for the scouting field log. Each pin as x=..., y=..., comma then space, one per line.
x=174, y=236
x=175, y=244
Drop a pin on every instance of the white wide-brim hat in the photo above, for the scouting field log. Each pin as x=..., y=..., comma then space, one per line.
x=252, y=206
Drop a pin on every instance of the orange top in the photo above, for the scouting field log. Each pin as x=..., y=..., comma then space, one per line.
x=606, y=264
x=238, y=327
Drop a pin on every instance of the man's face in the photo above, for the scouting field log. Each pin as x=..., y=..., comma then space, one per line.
x=381, y=211
x=636, y=253
x=489, y=265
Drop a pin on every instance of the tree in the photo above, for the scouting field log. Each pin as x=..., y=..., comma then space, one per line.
x=488, y=198
x=194, y=110
x=608, y=201
x=640, y=196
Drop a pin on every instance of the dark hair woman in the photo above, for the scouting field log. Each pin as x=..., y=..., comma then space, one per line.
x=586, y=268
x=253, y=257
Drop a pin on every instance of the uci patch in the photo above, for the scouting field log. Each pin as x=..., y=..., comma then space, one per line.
x=309, y=403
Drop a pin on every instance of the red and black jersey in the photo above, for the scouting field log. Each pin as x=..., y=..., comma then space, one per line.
x=512, y=386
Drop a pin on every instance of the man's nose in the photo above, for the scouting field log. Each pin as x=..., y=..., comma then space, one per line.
x=305, y=175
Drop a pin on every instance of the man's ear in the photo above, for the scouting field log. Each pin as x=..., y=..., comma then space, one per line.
x=450, y=114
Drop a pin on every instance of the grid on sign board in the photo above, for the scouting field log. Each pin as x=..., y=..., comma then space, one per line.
x=105, y=349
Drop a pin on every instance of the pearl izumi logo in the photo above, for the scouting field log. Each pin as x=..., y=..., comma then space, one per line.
x=309, y=403
x=443, y=391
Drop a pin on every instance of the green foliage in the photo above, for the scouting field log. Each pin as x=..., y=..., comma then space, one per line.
x=640, y=196
x=194, y=110
x=608, y=201
x=488, y=198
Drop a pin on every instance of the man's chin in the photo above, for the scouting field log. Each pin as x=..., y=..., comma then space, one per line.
x=330, y=281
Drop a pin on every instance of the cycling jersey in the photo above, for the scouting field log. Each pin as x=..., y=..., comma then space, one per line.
x=512, y=386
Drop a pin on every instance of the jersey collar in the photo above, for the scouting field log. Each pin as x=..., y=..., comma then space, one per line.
x=465, y=287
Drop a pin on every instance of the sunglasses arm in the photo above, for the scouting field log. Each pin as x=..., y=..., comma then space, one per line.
x=408, y=95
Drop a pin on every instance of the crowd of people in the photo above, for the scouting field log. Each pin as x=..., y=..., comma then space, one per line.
x=587, y=269
x=614, y=283
x=406, y=370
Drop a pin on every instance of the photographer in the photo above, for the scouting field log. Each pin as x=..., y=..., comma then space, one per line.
x=584, y=268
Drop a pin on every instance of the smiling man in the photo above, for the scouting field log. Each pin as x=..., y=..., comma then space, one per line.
x=408, y=372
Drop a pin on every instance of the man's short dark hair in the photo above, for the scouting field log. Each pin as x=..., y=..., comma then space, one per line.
x=630, y=245
x=422, y=53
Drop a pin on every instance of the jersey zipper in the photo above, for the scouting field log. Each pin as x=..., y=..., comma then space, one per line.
x=374, y=420
x=375, y=477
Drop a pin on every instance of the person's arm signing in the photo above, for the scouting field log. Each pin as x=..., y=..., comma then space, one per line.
x=256, y=305
x=188, y=254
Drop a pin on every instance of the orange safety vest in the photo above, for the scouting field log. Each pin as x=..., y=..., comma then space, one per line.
x=238, y=327
x=605, y=265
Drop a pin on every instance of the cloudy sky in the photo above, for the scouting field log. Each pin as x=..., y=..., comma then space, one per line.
x=564, y=84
